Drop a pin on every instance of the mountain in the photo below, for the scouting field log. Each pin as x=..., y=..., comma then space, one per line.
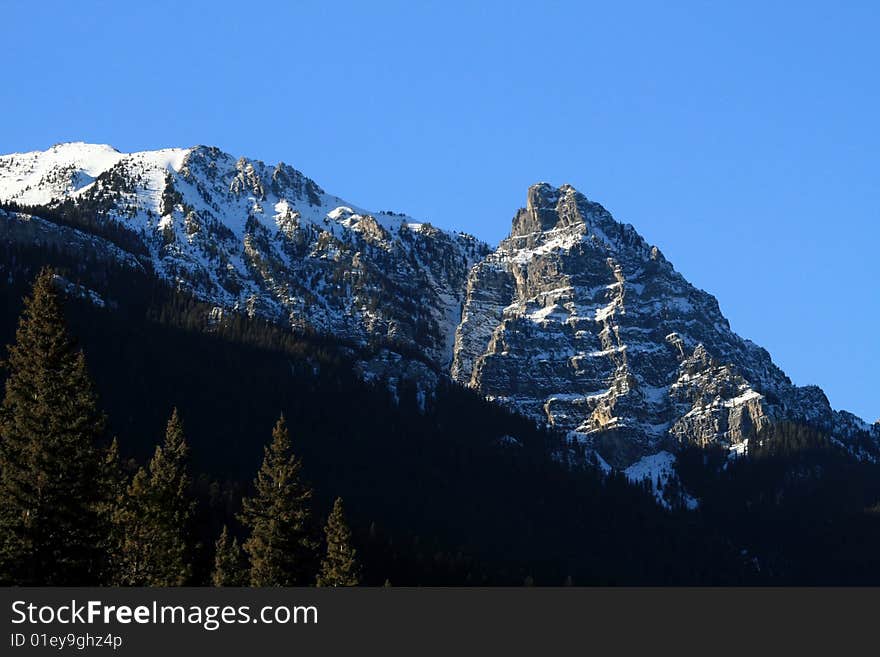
x=574, y=320
x=262, y=239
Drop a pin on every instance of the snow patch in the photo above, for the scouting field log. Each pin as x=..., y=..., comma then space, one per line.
x=654, y=467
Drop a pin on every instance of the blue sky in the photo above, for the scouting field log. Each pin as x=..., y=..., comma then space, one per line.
x=741, y=138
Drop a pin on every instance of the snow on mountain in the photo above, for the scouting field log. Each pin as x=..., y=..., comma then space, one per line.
x=574, y=319
x=40, y=177
x=658, y=470
x=264, y=239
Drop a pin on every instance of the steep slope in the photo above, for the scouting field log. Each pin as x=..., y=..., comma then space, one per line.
x=577, y=320
x=263, y=239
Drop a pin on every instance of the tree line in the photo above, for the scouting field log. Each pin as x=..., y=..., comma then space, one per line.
x=72, y=515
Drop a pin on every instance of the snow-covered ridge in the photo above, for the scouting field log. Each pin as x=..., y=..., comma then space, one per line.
x=264, y=239
x=69, y=169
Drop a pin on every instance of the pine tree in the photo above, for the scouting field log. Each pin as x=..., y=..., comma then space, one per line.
x=281, y=546
x=113, y=484
x=112, y=478
x=229, y=567
x=49, y=428
x=133, y=532
x=154, y=520
x=340, y=566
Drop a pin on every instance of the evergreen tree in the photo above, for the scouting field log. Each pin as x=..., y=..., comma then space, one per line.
x=281, y=546
x=229, y=567
x=112, y=478
x=340, y=566
x=113, y=484
x=154, y=520
x=49, y=427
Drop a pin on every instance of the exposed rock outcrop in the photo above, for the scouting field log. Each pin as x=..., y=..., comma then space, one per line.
x=577, y=320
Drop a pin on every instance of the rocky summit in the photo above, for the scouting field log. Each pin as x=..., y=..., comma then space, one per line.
x=576, y=320
x=573, y=320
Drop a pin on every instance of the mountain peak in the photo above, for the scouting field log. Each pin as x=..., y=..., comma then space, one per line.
x=577, y=320
x=542, y=211
x=562, y=213
x=82, y=146
x=544, y=196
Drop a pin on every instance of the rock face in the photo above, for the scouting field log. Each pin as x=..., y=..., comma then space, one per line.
x=574, y=319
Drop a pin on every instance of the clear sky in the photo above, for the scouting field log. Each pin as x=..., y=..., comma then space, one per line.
x=741, y=138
